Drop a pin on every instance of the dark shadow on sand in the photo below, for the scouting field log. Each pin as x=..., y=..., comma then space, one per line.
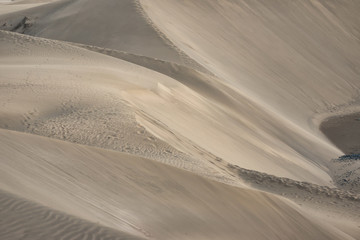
x=344, y=132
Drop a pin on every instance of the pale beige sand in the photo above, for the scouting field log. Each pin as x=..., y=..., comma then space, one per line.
x=72, y=105
x=76, y=21
x=68, y=91
x=267, y=80
x=143, y=197
x=295, y=60
x=23, y=219
x=279, y=145
x=7, y=7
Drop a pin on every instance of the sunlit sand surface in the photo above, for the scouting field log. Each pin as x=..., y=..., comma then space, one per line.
x=169, y=119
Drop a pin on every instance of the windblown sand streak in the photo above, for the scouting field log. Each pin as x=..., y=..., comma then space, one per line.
x=22, y=219
x=233, y=92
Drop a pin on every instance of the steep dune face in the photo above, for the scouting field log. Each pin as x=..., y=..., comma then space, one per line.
x=295, y=61
x=113, y=24
x=65, y=92
x=210, y=104
x=61, y=91
x=258, y=117
x=120, y=91
x=295, y=58
x=139, y=196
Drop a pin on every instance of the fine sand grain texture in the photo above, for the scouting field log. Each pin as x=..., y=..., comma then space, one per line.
x=170, y=119
x=143, y=197
x=22, y=219
x=119, y=25
x=80, y=98
x=295, y=60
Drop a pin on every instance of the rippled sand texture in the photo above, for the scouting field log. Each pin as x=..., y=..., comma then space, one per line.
x=168, y=119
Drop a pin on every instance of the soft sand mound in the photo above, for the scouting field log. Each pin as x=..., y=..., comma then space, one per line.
x=65, y=92
x=294, y=60
x=6, y=7
x=276, y=139
x=271, y=76
x=76, y=95
x=91, y=93
x=22, y=219
x=113, y=24
x=140, y=196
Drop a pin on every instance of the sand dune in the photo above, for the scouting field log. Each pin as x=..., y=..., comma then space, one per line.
x=143, y=197
x=75, y=21
x=22, y=219
x=277, y=53
x=280, y=144
x=292, y=68
x=8, y=8
x=97, y=99
x=84, y=94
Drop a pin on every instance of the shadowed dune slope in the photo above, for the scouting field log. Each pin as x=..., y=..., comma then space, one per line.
x=57, y=90
x=297, y=61
x=126, y=105
x=256, y=113
x=277, y=73
x=140, y=196
x=60, y=91
x=83, y=117
x=113, y=24
x=296, y=58
x=23, y=219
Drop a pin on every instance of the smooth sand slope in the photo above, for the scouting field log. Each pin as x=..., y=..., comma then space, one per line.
x=124, y=192
x=7, y=6
x=63, y=99
x=77, y=21
x=22, y=219
x=83, y=119
x=76, y=95
x=142, y=197
x=297, y=60
x=243, y=133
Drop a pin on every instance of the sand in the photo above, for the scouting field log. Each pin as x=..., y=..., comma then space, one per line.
x=178, y=119
x=22, y=219
x=142, y=197
x=344, y=132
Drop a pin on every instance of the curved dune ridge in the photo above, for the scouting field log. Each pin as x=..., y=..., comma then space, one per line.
x=75, y=21
x=298, y=61
x=104, y=104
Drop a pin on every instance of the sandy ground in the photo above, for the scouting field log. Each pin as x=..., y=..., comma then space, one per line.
x=177, y=119
x=344, y=132
x=143, y=197
x=22, y=219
